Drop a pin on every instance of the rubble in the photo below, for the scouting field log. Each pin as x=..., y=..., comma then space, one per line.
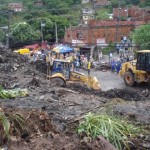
x=48, y=110
x=136, y=111
x=126, y=94
x=102, y=67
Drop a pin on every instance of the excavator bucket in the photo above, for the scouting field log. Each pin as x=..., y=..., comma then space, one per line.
x=96, y=85
x=93, y=83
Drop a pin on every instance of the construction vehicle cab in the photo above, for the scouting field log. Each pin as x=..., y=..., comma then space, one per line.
x=138, y=70
x=62, y=74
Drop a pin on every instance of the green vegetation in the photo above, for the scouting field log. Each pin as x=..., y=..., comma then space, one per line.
x=145, y=4
x=110, y=48
x=4, y=127
x=141, y=36
x=115, y=131
x=12, y=93
x=15, y=121
x=63, y=12
x=18, y=121
x=102, y=14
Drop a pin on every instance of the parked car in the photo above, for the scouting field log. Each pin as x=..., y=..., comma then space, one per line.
x=22, y=51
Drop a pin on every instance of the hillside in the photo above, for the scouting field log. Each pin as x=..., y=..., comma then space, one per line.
x=65, y=13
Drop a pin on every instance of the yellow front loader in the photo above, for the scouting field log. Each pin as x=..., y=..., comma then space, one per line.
x=61, y=75
x=137, y=71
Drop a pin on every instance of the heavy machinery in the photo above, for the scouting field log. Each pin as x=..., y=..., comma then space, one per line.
x=61, y=74
x=138, y=70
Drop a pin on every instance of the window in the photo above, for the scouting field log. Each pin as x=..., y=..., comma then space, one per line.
x=79, y=35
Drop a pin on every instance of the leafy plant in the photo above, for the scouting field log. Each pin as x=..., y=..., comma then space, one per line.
x=17, y=122
x=116, y=131
x=4, y=127
x=12, y=93
x=141, y=36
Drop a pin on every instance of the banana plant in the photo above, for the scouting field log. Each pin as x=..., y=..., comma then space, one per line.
x=4, y=127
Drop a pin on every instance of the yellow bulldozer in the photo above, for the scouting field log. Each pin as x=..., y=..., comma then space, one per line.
x=137, y=71
x=61, y=74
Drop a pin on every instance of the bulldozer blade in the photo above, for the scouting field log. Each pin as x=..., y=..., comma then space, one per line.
x=93, y=83
x=96, y=85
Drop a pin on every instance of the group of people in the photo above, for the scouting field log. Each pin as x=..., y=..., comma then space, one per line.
x=76, y=60
x=123, y=50
x=124, y=45
x=117, y=63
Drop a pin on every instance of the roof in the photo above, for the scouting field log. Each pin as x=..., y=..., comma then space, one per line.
x=15, y=4
x=94, y=23
x=34, y=46
x=87, y=11
x=144, y=51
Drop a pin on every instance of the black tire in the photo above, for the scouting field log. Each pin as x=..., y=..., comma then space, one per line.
x=129, y=79
x=58, y=82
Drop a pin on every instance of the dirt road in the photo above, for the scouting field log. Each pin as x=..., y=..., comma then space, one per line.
x=109, y=80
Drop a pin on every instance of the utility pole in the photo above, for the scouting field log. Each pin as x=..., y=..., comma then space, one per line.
x=56, y=34
x=118, y=18
x=71, y=34
x=42, y=31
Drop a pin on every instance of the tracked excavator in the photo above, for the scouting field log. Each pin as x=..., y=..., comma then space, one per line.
x=138, y=70
x=61, y=74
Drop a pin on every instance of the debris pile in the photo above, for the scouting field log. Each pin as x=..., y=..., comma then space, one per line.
x=48, y=115
x=136, y=111
x=103, y=67
x=126, y=94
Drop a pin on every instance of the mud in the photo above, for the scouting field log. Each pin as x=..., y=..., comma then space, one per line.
x=135, y=110
x=51, y=113
x=126, y=94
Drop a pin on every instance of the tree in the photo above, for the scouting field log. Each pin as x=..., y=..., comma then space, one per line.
x=115, y=3
x=141, y=36
x=2, y=35
x=134, y=2
x=145, y=3
x=58, y=6
x=24, y=32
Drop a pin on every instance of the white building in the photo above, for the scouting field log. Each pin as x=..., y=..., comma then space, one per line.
x=17, y=7
x=85, y=1
x=87, y=14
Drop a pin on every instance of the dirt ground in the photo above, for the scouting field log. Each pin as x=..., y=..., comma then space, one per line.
x=109, y=80
x=52, y=114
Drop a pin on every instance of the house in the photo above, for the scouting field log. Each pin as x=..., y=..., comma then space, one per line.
x=100, y=32
x=17, y=7
x=87, y=14
x=85, y=1
x=120, y=13
x=133, y=13
x=139, y=14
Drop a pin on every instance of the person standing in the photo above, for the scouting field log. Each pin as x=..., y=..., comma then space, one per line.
x=89, y=67
x=117, y=48
x=125, y=39
x=110, y=56
x=77, y=65
x=49, y=61
x=127, y=58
